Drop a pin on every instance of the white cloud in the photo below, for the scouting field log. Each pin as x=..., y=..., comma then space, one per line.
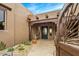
x=41, y=9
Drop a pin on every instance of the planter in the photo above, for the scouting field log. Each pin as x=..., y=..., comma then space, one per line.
x=21, y=50
x=5, y=53
x=34, y=41
x=17, y=50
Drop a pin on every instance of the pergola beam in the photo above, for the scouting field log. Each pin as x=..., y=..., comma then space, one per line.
x=5, y=6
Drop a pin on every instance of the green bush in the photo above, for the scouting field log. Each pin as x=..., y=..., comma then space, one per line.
x=26, y=43
x=21, y=48
x=2, y=46
x=10, y=49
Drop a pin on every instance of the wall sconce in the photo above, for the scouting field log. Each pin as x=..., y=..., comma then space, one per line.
x=50, y=31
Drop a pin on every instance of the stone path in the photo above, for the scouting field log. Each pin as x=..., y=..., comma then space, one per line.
x=43, y=48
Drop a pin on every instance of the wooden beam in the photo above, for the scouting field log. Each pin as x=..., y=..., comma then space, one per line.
x=68, y=49
x=5, y=6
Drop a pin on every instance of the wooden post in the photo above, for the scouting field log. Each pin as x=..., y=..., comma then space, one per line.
x=58, y=28
x=39, y=32
x=29, y=25
x=57, y=40
x=78, y=28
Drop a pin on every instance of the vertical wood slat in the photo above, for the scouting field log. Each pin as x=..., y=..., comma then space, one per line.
x=69, y=16
x=70, y=21
x=71, y=29
x=75, y=8
x=71, y=26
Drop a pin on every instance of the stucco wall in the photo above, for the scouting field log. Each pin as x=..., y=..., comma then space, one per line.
x=52, y=14
x=16, y=25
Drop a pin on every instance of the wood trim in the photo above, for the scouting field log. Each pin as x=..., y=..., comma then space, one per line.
x=43, y=19
x=5, y=6
x=69, y=49
x=4, y=18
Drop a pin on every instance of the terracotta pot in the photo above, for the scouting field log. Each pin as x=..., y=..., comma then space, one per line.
x=34, y=41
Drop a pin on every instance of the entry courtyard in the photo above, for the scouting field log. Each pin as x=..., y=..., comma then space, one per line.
x=43, y=48
x=25, y=32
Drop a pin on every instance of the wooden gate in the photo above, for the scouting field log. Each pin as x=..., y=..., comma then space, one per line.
x=67, y=39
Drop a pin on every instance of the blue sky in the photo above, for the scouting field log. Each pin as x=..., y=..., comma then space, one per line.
x=37, y=8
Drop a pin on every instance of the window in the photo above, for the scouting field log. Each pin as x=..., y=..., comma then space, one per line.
x=2, y=19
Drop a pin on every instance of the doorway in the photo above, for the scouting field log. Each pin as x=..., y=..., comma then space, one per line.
x=44, y=32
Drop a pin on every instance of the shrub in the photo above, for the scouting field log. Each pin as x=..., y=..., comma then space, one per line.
x=10, y=49
x=26, y=43
x=21, y=48
x=2, y=45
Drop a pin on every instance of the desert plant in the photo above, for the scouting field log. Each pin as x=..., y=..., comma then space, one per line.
x=2, y=45
x=26, y=43
x=19, y=45
x=21, y=48
x=10, y=49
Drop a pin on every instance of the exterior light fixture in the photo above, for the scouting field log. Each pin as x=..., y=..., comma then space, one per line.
x=50, y=31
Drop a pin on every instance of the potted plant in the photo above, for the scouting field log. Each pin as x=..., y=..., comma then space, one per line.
x=34, y=41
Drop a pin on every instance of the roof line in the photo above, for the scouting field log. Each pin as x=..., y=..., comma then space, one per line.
x=44, y=19
x=5, y=6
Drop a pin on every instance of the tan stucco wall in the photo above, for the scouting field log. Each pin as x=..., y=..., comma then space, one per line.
x=52, y=14
x=17, y=26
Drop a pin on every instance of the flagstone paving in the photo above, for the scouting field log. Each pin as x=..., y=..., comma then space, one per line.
x=43, y=48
